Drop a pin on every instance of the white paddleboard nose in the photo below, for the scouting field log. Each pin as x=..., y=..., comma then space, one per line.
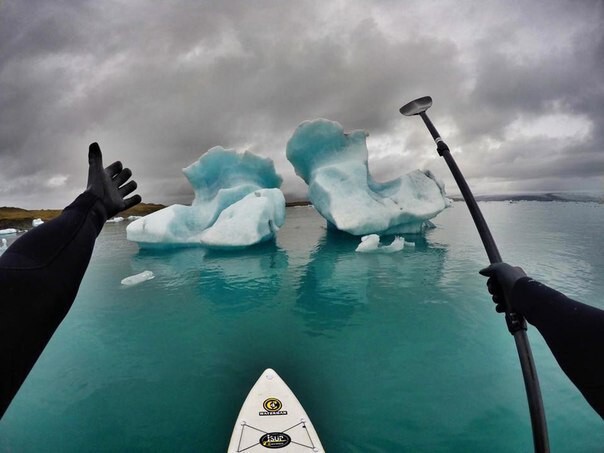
x=272, y=418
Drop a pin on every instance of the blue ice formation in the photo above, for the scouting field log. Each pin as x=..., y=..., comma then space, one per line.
x=237, y=203
x=334, y=165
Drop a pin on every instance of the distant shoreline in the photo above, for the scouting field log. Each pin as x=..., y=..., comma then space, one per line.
x=564, y=197
x=22, y=219
x=290, y=204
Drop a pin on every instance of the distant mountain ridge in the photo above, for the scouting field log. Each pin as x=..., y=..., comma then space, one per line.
x=548, y=196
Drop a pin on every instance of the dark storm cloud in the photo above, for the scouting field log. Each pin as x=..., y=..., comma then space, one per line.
x=159, y=84
x=510, y=88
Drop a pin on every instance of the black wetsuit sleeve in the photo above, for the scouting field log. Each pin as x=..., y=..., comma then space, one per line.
x=573, y=331
x=40, y=275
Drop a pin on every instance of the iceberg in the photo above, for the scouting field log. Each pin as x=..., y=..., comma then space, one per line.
x=4, y=246
x=36, y=222
x=138, y=278
x=8, y=231
x=334, y=165
x=115, y=220
x=371, y=244
x=237, y=203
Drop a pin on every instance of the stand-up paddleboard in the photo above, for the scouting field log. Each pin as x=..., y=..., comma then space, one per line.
x=272, y=418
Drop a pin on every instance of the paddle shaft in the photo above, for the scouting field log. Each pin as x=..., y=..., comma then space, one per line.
x=516, y=323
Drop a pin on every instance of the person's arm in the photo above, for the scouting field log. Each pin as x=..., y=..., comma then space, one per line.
x=573, y=331
x=41, y=272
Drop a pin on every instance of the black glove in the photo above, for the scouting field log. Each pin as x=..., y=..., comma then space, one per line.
x=109, y=184
x=502, y=278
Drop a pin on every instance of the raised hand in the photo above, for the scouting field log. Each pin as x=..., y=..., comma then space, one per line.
x=110, y=184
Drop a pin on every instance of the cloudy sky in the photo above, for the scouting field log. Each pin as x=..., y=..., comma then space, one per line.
x=518, y=88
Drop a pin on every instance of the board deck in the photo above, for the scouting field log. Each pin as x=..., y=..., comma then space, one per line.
x=272, y=418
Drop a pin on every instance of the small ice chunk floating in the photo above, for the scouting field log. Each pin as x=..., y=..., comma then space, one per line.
x=334, y=165
x=237, y=203
x=138, y=278
x=371, y=244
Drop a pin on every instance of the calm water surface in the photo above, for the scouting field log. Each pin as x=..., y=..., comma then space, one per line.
x=387, y=353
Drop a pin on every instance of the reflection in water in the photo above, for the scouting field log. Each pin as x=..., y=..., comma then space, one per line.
x=245, y=279
x=333, y=285
x=173, y=268
x=230, y=279
x=338, y=281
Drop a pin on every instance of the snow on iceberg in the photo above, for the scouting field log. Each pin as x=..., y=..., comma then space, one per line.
x=334, y=165
x=237, y=203
x=371, y=244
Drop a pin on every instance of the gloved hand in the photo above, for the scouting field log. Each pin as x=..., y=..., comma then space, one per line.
x=109, y=184
x=502, y=278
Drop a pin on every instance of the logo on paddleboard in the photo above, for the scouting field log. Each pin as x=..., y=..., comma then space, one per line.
x=275, y=440
x=272, y=406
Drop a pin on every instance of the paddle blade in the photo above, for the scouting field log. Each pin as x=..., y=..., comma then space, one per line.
x=417, y=106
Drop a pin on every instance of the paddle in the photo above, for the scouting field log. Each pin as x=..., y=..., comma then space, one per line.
x=516, y=323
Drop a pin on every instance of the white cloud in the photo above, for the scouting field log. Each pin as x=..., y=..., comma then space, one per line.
x=57, y=181
x=552, y=125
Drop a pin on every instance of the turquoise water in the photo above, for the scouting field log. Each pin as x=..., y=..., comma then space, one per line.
x=387, y=353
